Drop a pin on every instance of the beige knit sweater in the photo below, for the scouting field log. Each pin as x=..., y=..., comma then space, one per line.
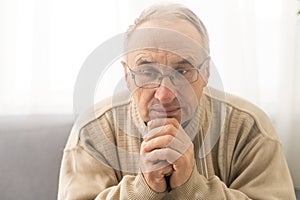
x=237, y=153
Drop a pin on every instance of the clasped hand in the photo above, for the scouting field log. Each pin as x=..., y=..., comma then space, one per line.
x=167, y=151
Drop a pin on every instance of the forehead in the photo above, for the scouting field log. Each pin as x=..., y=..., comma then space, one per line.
x=154, y=39
x=156, y=56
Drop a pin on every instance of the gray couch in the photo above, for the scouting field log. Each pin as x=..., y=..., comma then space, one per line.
x=31, y=149
x=30, y=154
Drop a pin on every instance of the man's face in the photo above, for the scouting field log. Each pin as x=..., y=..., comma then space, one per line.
x=168, y=100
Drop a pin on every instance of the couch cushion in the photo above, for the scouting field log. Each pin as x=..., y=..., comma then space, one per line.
x=31, y=149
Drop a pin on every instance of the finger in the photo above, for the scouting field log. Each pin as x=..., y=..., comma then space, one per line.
x=148, y=166
x=167, y=171
x=167, y=134
x=165, y=141
x=168, y=129
x=166, y=154
x=162, y=122
x=187, y=157
x=155, y=132
x=161, y=172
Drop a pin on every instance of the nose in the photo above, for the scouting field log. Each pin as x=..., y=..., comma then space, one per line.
x=164, y=94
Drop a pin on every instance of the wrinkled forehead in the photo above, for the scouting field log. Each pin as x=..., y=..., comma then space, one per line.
x=157, y=40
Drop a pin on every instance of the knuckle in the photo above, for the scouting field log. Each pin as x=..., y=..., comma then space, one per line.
x=175, y=122
x=168, y=127
x=169, y=139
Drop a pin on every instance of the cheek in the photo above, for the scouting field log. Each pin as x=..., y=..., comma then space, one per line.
x=198, y=88
x=190, y=97
x=142, y=98
x=198, y=93
x=193, y=93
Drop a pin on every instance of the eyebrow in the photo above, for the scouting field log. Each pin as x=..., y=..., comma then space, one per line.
x=142, y=62
x=182, y=62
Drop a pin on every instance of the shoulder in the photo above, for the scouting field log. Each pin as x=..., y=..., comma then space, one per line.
x=116, y=101
x=243, y=110
x=101, y=112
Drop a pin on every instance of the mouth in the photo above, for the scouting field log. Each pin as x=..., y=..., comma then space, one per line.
x=164, y=112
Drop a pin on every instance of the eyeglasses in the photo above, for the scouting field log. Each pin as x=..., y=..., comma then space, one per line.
x=148, y=75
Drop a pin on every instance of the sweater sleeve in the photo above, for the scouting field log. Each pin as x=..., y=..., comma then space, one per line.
x=260, y=172
x=82, y=177
x=86, y=171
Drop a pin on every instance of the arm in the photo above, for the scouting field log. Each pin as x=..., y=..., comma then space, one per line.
x=260, y=172
x=86, y=172
x=83, y=177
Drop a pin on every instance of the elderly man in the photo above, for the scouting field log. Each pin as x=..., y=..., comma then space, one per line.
x=171, y=136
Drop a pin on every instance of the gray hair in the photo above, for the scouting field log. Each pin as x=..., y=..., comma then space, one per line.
x=170, y=12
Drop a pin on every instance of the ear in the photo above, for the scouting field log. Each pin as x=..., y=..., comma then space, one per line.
x=124, y=68
x=126, y=74
x=205, y=72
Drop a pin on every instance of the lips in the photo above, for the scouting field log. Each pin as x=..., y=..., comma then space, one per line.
x=164, y=111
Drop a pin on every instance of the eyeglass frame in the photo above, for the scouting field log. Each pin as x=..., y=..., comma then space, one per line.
x=162, y=76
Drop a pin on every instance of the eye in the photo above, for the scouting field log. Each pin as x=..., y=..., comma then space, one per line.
x=182, y=71
x=149, y=73
x=148, y=70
